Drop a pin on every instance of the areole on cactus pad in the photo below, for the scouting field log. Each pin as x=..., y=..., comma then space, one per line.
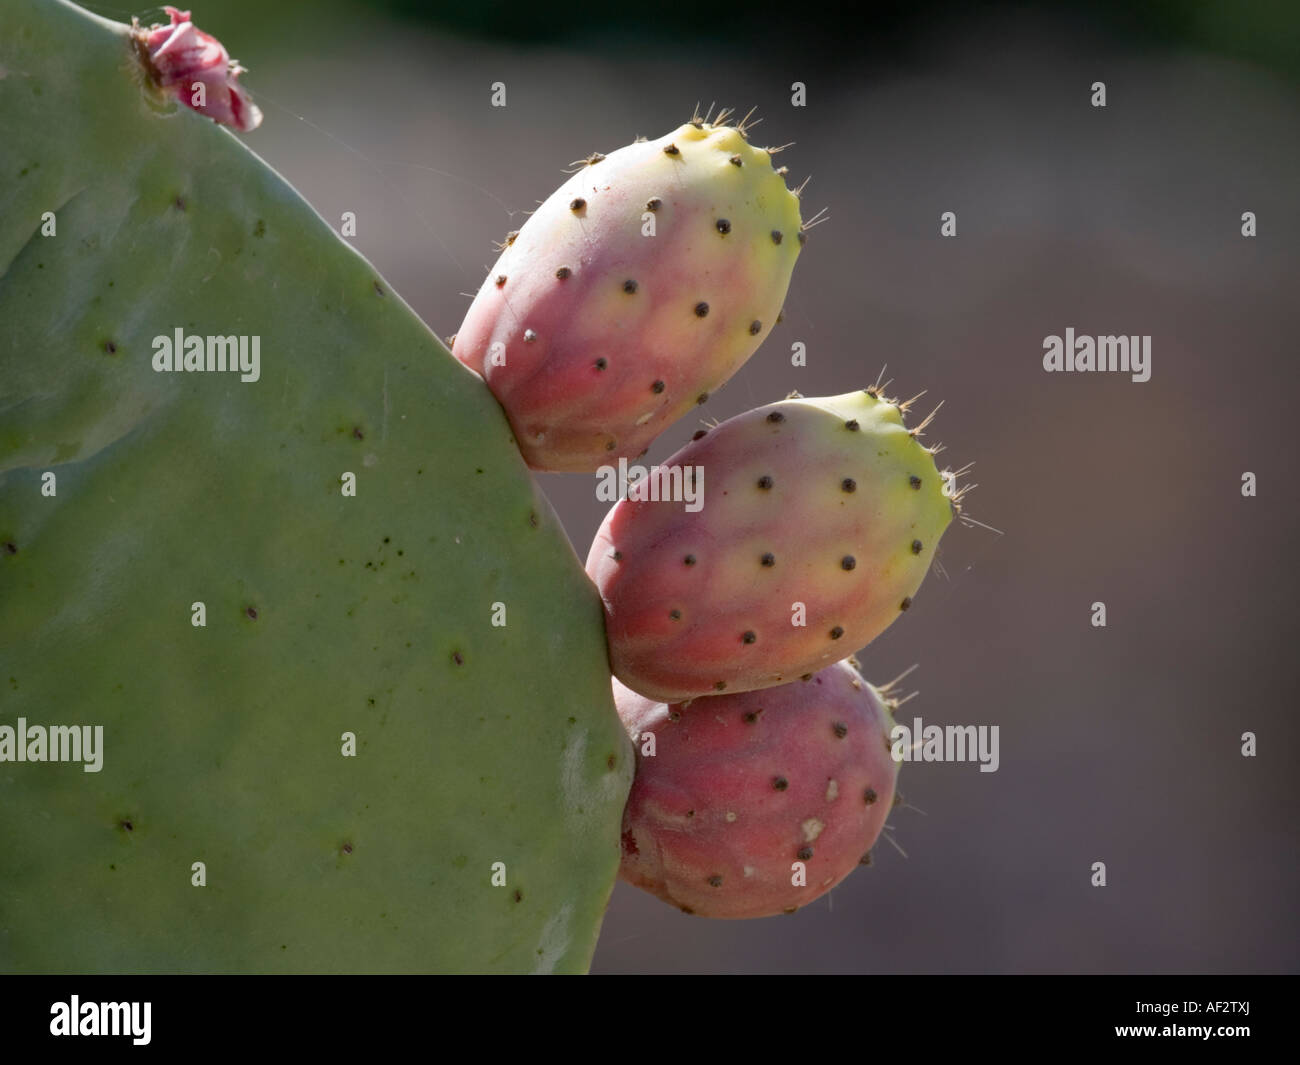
x=640, y=285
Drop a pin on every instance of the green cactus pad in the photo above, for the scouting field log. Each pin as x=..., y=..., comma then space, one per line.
x=476, y=743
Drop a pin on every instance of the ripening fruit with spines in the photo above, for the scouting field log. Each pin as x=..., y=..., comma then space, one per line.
x=744, y=788
x=818, y=522
x=672, y=272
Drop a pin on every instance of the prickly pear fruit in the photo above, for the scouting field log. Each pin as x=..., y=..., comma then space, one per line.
x=741, y=788
x=818, y=521
x=643, y=283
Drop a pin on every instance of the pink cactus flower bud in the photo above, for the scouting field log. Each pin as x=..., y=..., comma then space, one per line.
x=195, y=68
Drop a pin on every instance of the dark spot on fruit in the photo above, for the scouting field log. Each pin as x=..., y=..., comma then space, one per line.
x=699, y=434
x=840, y=729
x=11, y=548
x=629, y=843
x=657, y=387
x=723, y=226
x=629, y=285
x=805, y=852
x=916, y=547
x=701, y=399
x=251, y=612
x=346, y=848
x=720, y=685
x=672, y=149
x=851, y=425
x=532, y=520
x=577, y=204
x=780, y=317
x=768, y=559
x=457, y=658
x=914, y=481
x=674, y=715
x=748, y=636
x=686, y=909
x=654, y=203
x=610, y=762
x=905, y=603
x=848, y=562
x=563, y=272
x=865, y=859
x=357, y=434
x=869, y=796
x=736, y=160
x=689, y=560
x=126, y=824
x=790, y=909
x=676, y=615
x=180, y=204
x=849, y=484
x=765, y=482
x=750, y=716
x=806, y=676
x=777, y=236
x=519, y=895
x=690, y=813
x=618, y=556
x=501, y=280
x=715, y=881
x=701, y=309
x=755, y=327
x=775, y=417
x=610, y=445
x=601, y=363
x=110, y=347
x=780, y=783
x=836, y=632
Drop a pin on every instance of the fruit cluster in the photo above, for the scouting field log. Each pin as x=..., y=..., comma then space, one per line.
x=771, y=546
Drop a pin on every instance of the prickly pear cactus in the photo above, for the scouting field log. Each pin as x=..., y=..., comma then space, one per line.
x=182, y=564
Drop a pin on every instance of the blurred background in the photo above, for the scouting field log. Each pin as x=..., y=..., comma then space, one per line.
x=1119, y=744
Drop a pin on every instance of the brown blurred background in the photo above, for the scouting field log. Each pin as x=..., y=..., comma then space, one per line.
x=1119, y=744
